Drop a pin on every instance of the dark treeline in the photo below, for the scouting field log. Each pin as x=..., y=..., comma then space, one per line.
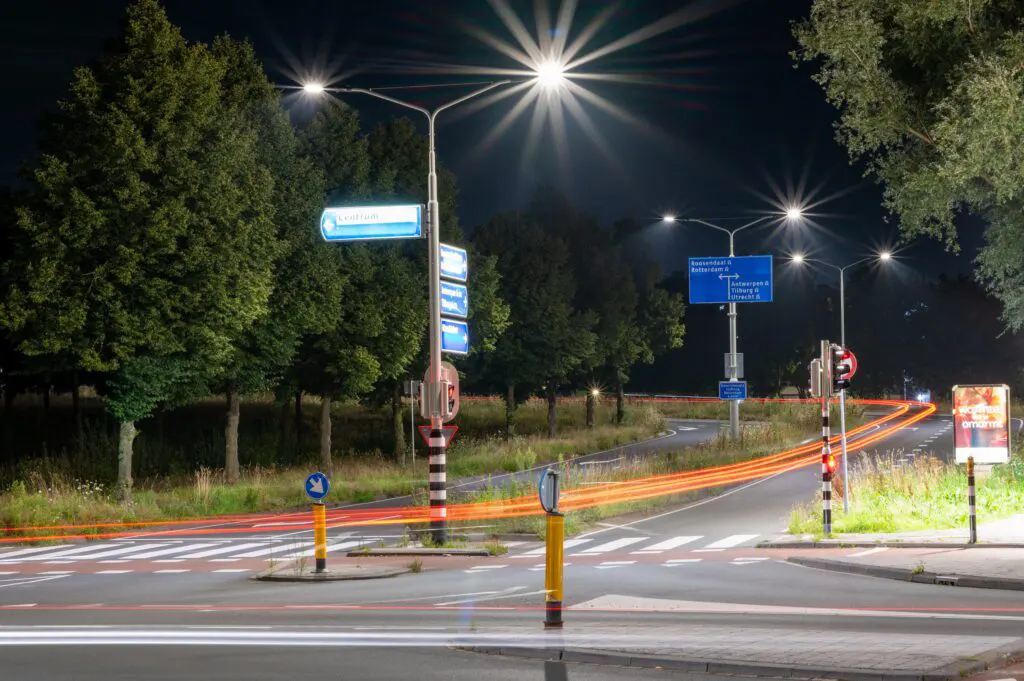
x=164, y=249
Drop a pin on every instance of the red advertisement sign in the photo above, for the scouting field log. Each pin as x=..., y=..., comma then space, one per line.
x=981, y=423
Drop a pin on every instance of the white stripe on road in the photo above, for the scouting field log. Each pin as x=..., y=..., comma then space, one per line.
x=222, y=549
x=730, y=541
x=89, y=552
x=25, y=552
x=174, y=549
x=308, y=553
x=613, y=545
x=669, y=544
x=568, y=545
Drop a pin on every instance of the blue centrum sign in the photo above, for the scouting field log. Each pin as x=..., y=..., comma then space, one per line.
x=732, y=390
x=454, y=336
x=361, y=223
x=744, y=279
x=454, y=299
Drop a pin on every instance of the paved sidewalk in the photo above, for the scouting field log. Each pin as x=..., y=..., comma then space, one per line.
x=777, y=652
x=1008, y=532
x=982, y=567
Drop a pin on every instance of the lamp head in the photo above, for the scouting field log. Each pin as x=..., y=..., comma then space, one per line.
x=885, y=255
x=794, y=213
x=550, y=74
x=313, y=88
x=669, y=218
x=798, y=258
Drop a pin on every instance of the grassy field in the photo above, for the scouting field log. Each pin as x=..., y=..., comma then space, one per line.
x=47, y=494
x=923, y=495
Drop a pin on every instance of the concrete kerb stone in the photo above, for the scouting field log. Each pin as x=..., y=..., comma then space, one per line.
x=910, y=575
x=846, y=543
x=417, y=552
x=292, y=573
x=627, y=659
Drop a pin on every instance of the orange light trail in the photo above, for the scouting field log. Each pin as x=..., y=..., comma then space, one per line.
x=572, y=499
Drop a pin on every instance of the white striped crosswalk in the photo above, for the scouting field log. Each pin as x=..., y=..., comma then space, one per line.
x=173, y=552
x=594, y=546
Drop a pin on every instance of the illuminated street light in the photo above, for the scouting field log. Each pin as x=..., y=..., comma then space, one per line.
x=884, y=255
x=798, y=258
x=668, y=218
x=794, y=213
x=313, y=88
x=550, y=74
x=595, y=392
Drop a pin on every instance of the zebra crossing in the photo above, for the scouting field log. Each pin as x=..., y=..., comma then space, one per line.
x=180, y=551
x=594, y=546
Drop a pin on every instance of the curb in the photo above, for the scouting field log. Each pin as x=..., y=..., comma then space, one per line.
x=909, y=575
x=952, y=672
x=417, y=552
x=345, y=573
x=844, y=544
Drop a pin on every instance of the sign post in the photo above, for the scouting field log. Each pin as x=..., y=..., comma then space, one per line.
x=317, y=487
x=731, y=280
x=554, y=570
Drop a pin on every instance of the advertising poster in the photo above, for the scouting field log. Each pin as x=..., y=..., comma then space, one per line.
x=981, y=423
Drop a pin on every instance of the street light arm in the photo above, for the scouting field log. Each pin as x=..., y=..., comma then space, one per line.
x=708, y=224
x=859, y=262
x=471, y=95
x=386, y=98
x=755, y=222
x=837, y=268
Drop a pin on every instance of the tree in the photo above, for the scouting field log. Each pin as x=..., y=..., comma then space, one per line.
x=546, y=340
x=307, y=287
x=929, y=95
x=149, y=241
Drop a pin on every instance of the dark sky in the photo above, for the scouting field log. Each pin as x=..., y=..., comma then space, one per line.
x=719, y=111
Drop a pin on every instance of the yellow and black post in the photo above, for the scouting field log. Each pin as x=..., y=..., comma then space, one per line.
x=972, y=508
x=320, y=536
x=553, y=572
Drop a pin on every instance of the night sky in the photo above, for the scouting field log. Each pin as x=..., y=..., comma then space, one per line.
x=722, y=113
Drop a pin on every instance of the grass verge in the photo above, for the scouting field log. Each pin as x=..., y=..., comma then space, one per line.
x=920, y=494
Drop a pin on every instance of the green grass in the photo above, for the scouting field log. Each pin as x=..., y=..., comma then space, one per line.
x=48, y=493
x=926, y=494
x=804, y=414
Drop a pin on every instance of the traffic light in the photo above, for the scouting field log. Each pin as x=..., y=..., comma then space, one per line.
x=844, y=364
x=830, y=465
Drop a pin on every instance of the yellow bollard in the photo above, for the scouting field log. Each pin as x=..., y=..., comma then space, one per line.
x=320, y=536
x=553, y=573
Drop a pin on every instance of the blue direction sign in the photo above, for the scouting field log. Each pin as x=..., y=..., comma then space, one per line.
x=317, y=486
x=454, y=263
x=744, y=279
x=732, y=390
x=361, y=223
x=454, y=336
x=454, y=299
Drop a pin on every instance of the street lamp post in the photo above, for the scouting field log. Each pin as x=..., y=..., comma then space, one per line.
x=883, y=256
x=438, y=446
x=734, y=405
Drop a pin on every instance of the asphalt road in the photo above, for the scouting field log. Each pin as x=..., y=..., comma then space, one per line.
x=688, y=567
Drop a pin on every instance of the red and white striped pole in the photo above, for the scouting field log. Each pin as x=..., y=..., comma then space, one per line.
x=438, y=486
x=972, y=510
x=826, y=448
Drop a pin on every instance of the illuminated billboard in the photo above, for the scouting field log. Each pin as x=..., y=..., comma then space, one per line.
x=981, y=423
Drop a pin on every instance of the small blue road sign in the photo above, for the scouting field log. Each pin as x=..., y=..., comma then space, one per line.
x=454, y=299
x=361, y=223
x=732, y=390
x=317, y=486
x=454, y=263
x=744, y=279
x=454, y=336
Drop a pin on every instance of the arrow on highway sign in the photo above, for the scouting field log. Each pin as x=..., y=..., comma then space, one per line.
x=448, y=432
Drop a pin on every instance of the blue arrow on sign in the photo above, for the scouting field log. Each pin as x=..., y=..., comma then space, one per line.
x=744, y=279
x=454, y=336
x=317, y=486
x=454, y=263
x=454, y=299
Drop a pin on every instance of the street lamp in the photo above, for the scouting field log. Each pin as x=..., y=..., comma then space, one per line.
x=799, y=259
x=438, y=493
x=791, y=214
x=550, y=74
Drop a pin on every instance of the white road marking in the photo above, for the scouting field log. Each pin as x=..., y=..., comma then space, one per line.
x=568, y=545
x=610, y=564
x=511, y=592
x=682, y=561
x=707, y=550
x=232, y=570
x=113, y=572
x=612, y=545
x=169, y=572
x=877, y=549
x=223, y=549
x=111, y=552
x=169, y=560
x=308, y=553
x=25, y=552
x=669, y=544
x=180, y=548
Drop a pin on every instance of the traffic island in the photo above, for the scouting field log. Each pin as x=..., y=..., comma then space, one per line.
x=979, y=568
x=416, y=551
x=294, y=572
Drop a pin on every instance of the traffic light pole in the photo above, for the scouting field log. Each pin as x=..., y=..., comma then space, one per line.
x=842, y=393
x=826, y=448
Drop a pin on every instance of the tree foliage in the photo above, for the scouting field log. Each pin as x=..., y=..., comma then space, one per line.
x=929, y=95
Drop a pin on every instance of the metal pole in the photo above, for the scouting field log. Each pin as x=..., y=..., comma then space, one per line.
x=437, y=474
x=320, y=536
x=554, y=571
x=734, y=405
x=412, y=425
x=826, y=448
x=842, y=393
x=972, y=513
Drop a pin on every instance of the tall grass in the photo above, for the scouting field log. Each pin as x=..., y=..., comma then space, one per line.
x=921, y=494
x=805, y=414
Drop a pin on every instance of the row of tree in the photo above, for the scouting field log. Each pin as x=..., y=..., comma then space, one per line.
x=165, y=249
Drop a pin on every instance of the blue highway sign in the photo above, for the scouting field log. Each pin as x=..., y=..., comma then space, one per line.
x=454, y=263
x=454, y=299
x=454, y=336
x=361, y=223
x=744, y=279
x=732, y=390
x=317, y=486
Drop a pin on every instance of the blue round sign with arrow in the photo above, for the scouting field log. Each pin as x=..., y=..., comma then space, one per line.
x=317, y=486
